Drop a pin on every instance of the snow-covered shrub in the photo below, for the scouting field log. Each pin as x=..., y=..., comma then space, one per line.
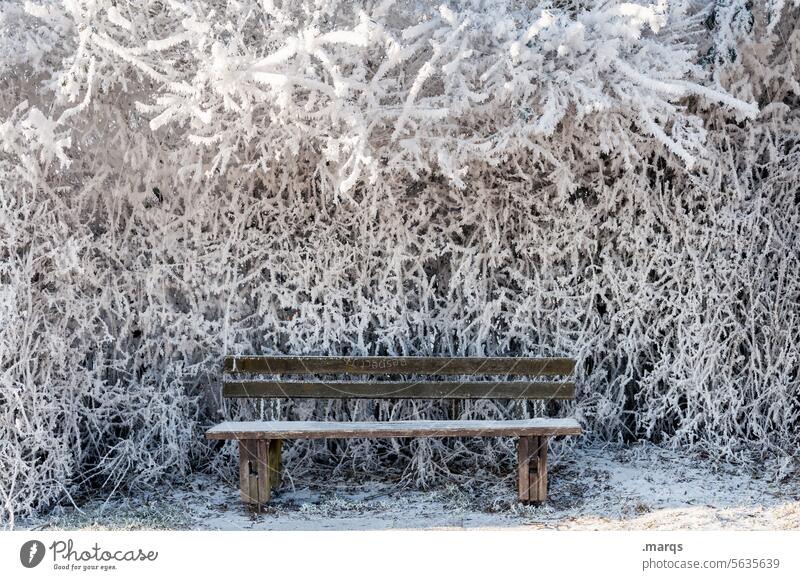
x=179, y=180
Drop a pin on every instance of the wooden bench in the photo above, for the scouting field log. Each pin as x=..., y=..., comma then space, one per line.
x=260, y=441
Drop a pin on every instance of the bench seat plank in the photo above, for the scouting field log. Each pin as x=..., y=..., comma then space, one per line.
x=400, y=389
x=378, y=429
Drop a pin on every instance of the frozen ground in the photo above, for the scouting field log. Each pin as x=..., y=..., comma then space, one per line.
x=597, y=488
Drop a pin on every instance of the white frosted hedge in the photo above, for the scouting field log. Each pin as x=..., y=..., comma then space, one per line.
x=612, y=181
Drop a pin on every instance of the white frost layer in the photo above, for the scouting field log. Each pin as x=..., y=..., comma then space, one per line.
x=608, y=487
x=476, y=426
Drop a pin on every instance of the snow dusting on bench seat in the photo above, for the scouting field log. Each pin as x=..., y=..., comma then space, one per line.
x=376, y=429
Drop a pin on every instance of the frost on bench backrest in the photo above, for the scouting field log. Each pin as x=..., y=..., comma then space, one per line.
x=475, y=377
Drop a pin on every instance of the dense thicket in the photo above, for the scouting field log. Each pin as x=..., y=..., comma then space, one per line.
x=612, y=181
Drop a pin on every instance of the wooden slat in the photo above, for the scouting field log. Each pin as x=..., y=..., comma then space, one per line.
x=540, y=483
x=381, y=365
x=384, y=429
x=523, y=467
x=263, y=468
x=400, y=389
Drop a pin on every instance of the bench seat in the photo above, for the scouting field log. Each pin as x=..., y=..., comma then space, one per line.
x=378, y=429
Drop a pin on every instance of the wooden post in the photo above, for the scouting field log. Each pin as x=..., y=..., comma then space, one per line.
x=523, y=467
x=262, y=467
x=244, y=471
x=532, y=469
x=275, y=446
x=254, y=474
x=538, y=477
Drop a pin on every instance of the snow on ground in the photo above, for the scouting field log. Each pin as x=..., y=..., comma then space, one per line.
x=641, y=487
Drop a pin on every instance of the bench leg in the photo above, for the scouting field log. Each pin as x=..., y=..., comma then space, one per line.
x=254, y=480
x=275, y=446
x=532, y=469
x=539, y=479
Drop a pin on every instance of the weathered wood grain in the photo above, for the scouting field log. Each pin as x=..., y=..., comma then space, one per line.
x=381, y=429
x=523, y=468
x=275, y=447
x=247, y=486
x=399, y=389
x=254, y=476
x=263, y=469
x=539, y=482
x=244, y=472
x=382, y=365
x=532, y=468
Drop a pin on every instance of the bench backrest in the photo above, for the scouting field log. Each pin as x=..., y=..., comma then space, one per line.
x=484, y=369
